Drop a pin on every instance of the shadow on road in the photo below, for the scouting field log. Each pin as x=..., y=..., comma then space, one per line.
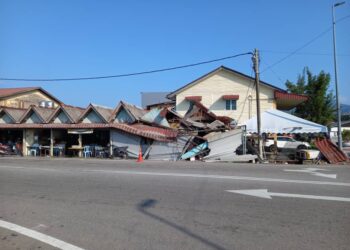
x=145, y=204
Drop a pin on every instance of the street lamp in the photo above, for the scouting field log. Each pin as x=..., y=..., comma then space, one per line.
x=336, y=77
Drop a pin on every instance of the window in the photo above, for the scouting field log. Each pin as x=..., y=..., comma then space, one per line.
x=231, y=104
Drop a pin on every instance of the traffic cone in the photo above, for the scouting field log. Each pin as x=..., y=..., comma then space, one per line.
x=140, y=156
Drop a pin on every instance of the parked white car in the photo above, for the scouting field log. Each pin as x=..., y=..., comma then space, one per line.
x=285, y=142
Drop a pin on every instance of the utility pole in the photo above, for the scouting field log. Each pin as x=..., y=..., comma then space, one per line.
x=340, y=146
x=255, y=59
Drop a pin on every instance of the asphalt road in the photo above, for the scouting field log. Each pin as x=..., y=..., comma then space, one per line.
x=109, y=204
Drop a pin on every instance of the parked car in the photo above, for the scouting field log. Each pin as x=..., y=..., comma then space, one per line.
x=285, y=142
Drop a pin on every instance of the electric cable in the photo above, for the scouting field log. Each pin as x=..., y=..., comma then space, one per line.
x=123, y=75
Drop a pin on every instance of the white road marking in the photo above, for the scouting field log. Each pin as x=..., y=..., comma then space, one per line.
x=264, y=193
x=39, y=226
x=313, y=171
x=226, y=177
x=38, y=236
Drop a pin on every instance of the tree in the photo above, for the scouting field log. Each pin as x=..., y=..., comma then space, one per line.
x=320, y=106
x=346, y=135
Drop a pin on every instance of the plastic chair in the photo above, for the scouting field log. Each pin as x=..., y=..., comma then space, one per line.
x=87, y=151
x=33, y=151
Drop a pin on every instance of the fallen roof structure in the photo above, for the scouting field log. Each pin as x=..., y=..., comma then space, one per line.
x=223, y=146
x=330, y=151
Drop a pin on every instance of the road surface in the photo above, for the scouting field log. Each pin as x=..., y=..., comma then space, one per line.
x=109, y=204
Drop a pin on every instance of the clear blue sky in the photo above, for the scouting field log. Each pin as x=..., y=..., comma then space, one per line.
x=58, y=39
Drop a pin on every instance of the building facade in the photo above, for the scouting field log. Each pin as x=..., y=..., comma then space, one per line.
x=25, y=97
x=226, y=92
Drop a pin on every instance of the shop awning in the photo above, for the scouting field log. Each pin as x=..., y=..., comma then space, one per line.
x=287, y=101
x=80, y=131
x=196, y=98
x=230, y=97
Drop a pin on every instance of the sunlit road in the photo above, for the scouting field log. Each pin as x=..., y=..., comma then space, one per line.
x=109, y=204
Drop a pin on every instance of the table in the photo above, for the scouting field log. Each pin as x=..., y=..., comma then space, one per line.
x=76, y=150
x=101, y=151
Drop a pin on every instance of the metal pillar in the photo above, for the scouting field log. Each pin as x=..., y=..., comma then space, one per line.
x=340, y=146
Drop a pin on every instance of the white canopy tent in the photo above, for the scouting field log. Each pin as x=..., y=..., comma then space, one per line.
x=276, y=121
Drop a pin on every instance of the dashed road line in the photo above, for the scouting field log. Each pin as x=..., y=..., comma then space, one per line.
x=227, y=177
x=172, y=174
x=38, y=236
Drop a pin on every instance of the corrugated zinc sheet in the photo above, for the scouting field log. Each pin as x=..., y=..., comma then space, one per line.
x=131, y=142
x=155, y=116
x=223, y=145
x=330, y=151
x=167, y=151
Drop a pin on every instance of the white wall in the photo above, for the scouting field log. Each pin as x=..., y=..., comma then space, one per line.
x=222, y=83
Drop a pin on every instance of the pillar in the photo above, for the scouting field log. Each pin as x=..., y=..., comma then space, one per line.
x=110, y=144
x=24, y=144
x=51, y=142
x=80, y=143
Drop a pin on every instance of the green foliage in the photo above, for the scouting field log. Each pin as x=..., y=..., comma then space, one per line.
x=319, y=107
x=345, y=117
x=346, y=135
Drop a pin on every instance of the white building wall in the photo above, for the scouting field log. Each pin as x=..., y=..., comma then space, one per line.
x=222, y=83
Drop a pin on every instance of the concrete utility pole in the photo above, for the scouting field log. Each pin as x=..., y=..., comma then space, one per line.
x=340, y=146
x=255, y=59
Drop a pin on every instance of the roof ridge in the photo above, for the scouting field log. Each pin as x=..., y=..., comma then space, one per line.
x=222, y=67
x=131, y=104
x=101, y=106
x=71, y=106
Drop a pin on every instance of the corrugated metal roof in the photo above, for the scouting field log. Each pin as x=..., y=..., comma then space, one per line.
x=103, y=111
x=15, y=113
x=331, y=151
x=5, y=92
x=73, y=112
x=156, y=116
x=45, y=113
x=135, y=112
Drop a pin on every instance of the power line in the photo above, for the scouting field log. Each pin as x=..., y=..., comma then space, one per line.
x=264, y=62
x=305, y=45
x=302, y=53
x=123, y=75
x=296, y=50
